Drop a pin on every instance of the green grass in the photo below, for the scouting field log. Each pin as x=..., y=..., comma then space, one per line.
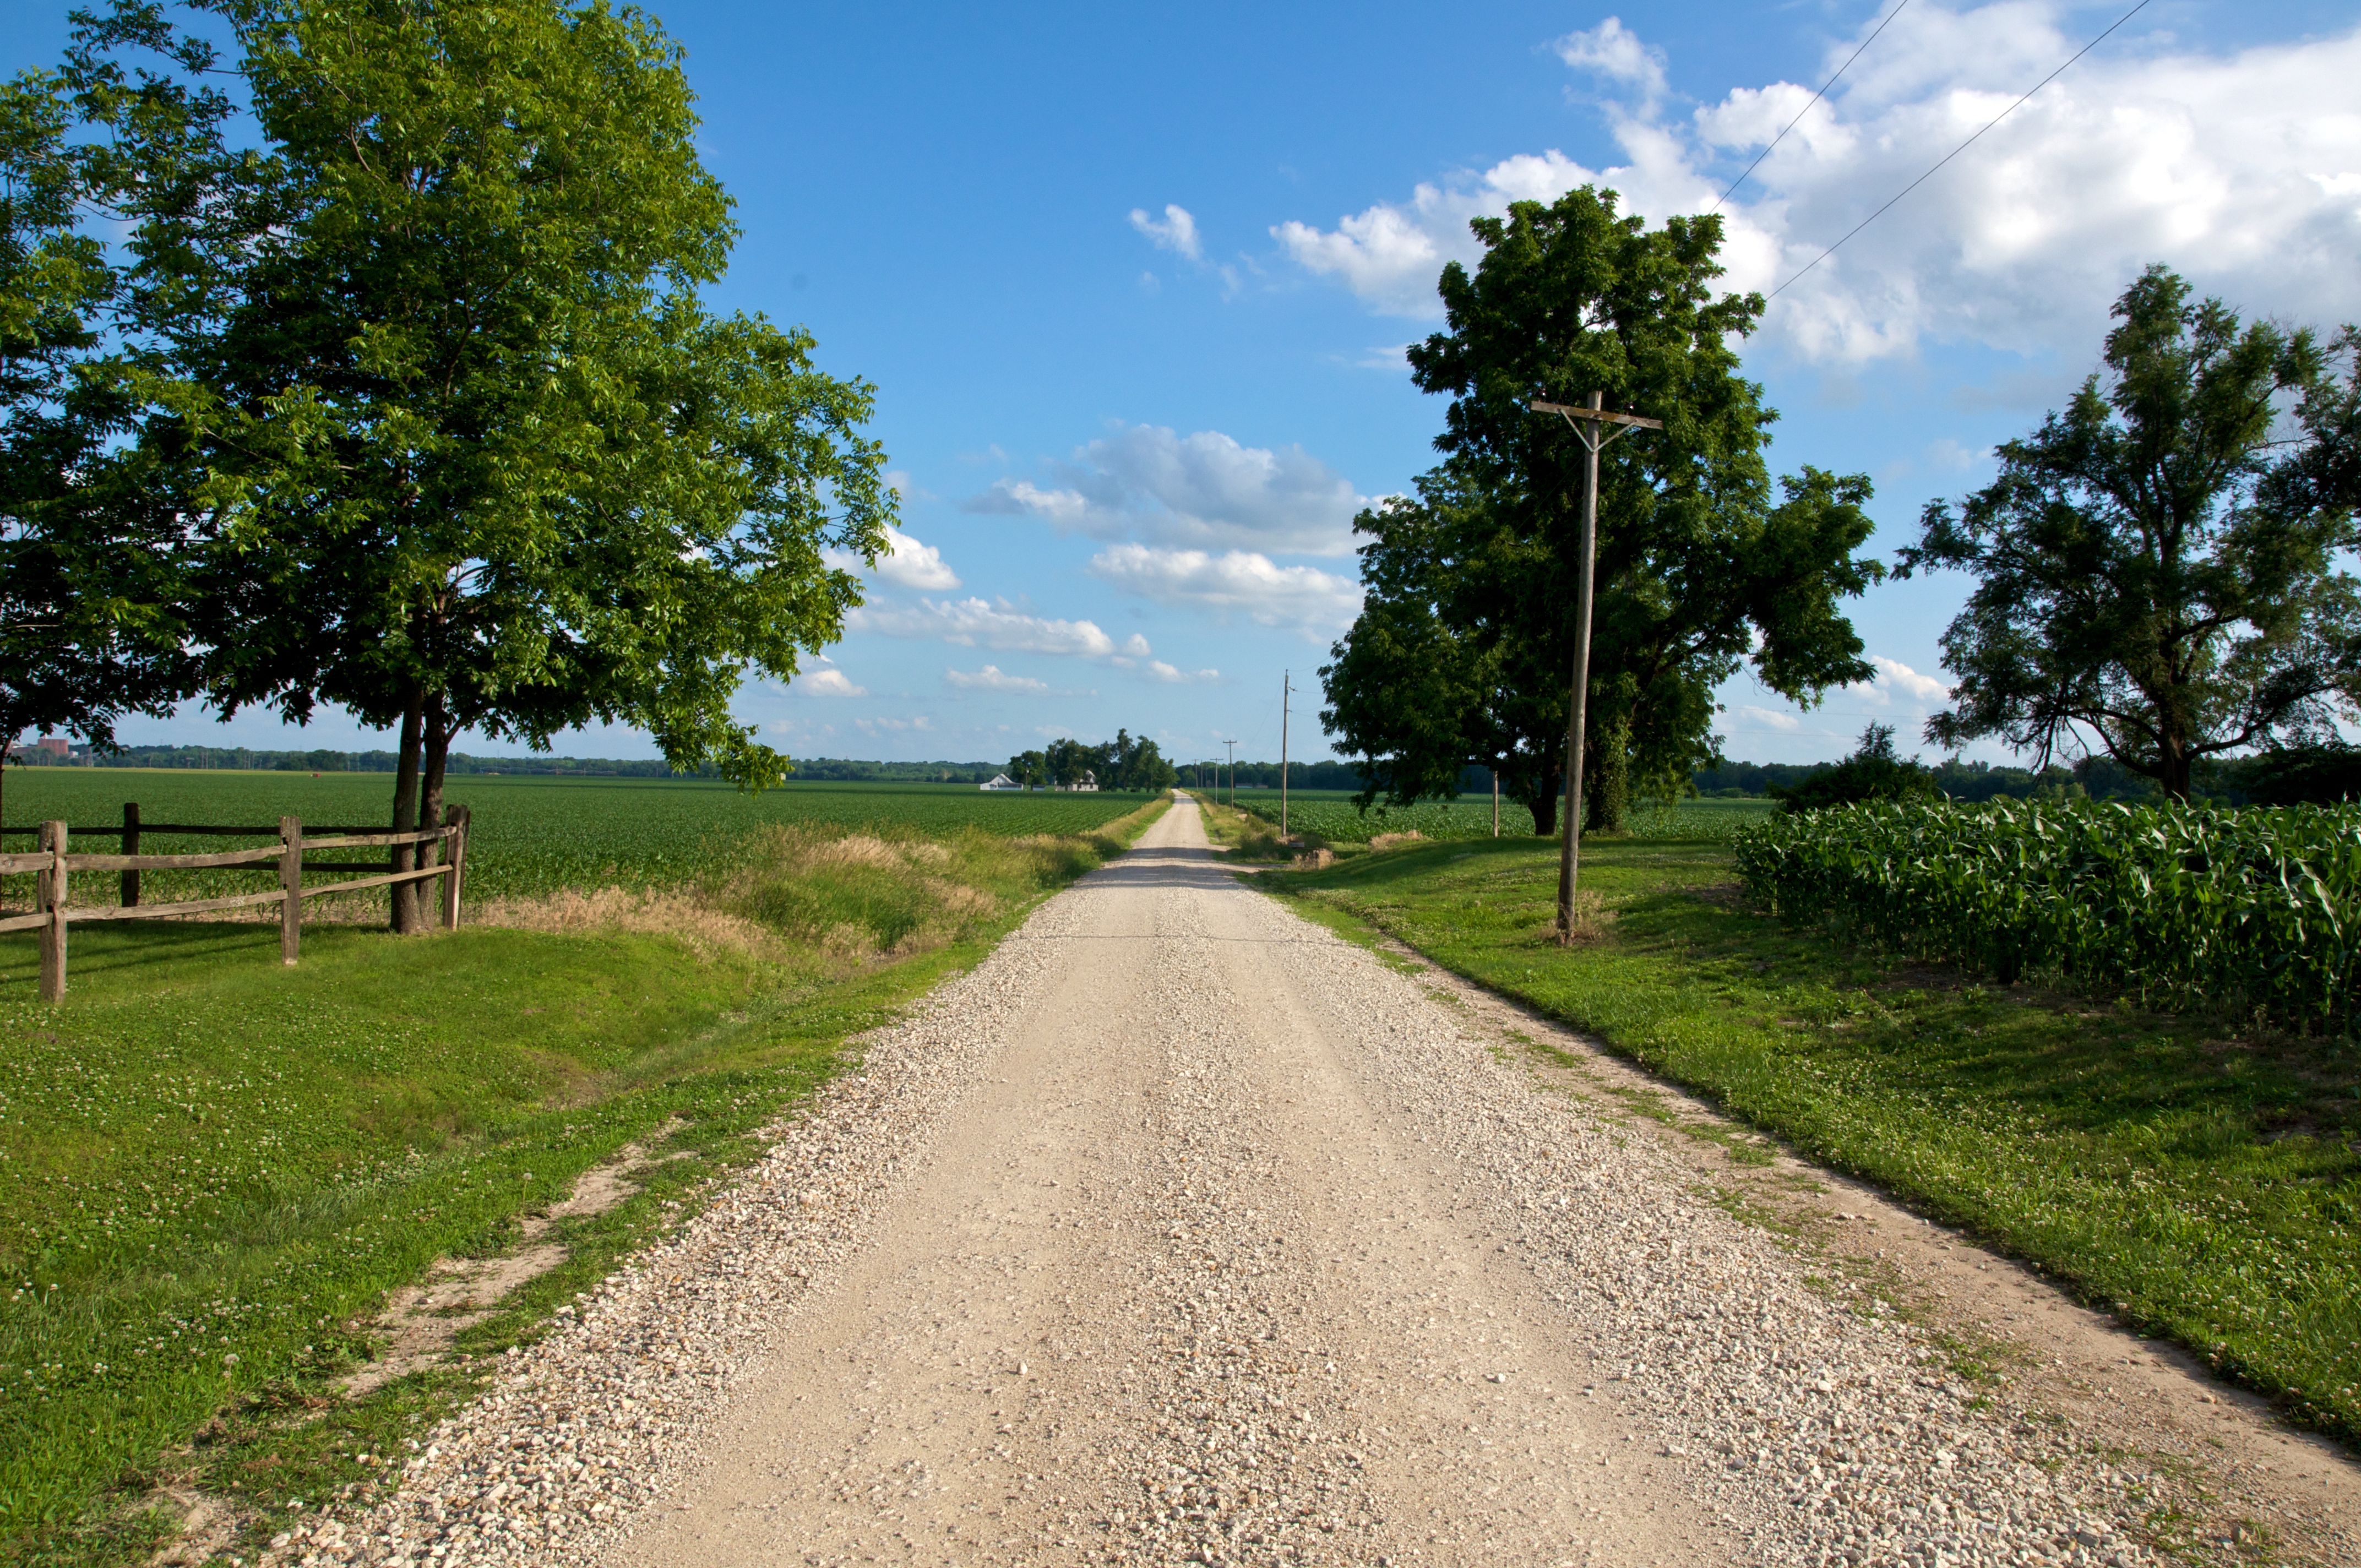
x=1331, y=816
x=213, y=1169
x=530, y=836
x=2204, y=1184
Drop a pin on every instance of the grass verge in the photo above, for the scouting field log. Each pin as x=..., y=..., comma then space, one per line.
x=2202, y=1182
x=213, y=1169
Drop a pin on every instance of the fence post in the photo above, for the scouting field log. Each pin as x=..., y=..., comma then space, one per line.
x=130, y=847
x=51, y=893
x=454, y=855
x=291, y=886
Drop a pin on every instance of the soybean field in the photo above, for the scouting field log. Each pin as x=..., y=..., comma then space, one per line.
x=533, y=836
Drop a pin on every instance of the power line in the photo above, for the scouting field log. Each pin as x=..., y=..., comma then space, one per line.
x=1807, y=108
x=1955, y=152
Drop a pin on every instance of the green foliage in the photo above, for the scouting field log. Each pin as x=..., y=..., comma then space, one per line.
x=2206, y=1190
x=533, y=837
x=1464, y=648
x=88, y=630
x=2229, y=911
x=2290, y=775
x=459, y=446
x=2146, y=574
x=1872, y=773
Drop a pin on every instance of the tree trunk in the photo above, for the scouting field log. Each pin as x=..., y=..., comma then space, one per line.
x=405, y=811
x=1607, y=775
x=2178, y=770
x=1548, y=795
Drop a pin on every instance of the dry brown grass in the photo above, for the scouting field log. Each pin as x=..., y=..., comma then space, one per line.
x=684, y=917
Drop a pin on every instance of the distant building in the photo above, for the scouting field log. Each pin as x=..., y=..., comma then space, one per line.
x=1000, y=780
x=55, y=745
x=1087, y=785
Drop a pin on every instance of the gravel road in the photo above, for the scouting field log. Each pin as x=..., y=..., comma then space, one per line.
x=1181, y=1231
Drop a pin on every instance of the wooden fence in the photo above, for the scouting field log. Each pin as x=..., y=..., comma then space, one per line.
x=53, y=865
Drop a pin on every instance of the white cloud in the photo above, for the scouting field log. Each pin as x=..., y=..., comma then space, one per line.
x=1175, y=231
x=1160, y=671
x=1770, y=718
x=906, y=564
x=828, y=683
x=1391, y=253
x=993, y=679
x=2238, y=169
x=1236, y=583
x=983, y=623
x=1613, y=50
x=891, y=726
x=1205, y=490
x=1895, y=679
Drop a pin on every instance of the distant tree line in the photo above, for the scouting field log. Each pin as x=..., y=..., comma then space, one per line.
x=1265, y=775
x=1122, y=763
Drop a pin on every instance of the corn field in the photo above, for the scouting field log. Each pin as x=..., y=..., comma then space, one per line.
x=2180, y=905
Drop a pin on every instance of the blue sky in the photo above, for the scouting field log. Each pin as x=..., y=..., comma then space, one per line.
x=1133, y=286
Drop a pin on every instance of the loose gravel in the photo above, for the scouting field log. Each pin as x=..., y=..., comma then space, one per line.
x=1181, y=1231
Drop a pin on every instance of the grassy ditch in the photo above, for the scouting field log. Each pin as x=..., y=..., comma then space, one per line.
x=2203, y=1182
x=213, y=1169
x=1247, y=836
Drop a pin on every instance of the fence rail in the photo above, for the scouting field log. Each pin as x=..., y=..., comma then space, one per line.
x=54, y=864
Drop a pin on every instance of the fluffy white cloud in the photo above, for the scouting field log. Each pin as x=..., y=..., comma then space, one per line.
x=1238, y=582
x=995, y=624
x=993, y=679
x=891, y=726
x=1769, y=718
x=1160, y=671
x=907, y=564
x=828, y=683
x=1391, y=253
x=1896, y=679
x=2241, y=171
x=1175, y=231
x=1613, y=50
x=1205, y=490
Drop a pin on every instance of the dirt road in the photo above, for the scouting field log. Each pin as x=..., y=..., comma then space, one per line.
x=1183, y=1231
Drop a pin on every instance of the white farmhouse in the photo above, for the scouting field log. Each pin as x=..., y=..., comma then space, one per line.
x=1000, y=780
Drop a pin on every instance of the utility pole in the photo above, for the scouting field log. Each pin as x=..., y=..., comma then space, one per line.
x=1234, y=770
x=1286, y=690
x=1595, y=428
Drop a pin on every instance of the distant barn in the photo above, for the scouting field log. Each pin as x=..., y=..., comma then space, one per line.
x=1000, y=780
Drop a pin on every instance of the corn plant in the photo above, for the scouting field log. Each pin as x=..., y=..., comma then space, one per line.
x=2180, y=905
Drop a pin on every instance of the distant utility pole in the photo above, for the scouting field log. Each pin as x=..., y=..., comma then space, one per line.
x=1286, y=690
x=1595, y=428
x=1234, y=770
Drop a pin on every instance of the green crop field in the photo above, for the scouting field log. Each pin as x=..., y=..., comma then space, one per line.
x=1332, y=816
x=530, y=836
x=2245, y=912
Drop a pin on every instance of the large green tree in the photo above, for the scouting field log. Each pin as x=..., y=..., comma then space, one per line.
x=88, y=558
x=2157, y=566
x=1699, y=569
x=469, y=451
x=1426, y=682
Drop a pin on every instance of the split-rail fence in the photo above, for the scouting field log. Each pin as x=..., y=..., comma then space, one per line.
x=54, y=864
